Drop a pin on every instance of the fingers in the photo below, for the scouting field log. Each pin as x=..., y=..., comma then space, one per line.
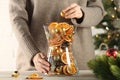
x=41, y=55
x=70, y=7
x=42, y=68
x=73, y=11
x=41, y=63
x=43, y=60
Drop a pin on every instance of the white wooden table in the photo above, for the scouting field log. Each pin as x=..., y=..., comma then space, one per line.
x=83, y=75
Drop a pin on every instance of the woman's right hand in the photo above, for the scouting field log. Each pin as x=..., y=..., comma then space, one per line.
x=41, y=64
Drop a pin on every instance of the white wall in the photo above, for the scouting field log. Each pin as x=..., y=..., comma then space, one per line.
x=7, y=41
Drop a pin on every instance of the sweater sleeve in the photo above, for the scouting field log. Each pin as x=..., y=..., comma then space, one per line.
x=19, y=21
x=93, y=14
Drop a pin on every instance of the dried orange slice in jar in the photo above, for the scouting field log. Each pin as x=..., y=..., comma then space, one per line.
x=65, y=70
x=52, y=27
x=68, y=38
x=71, y=69
x=64, y=26
x=64, y=58
x=55, y=40
x=70, y=30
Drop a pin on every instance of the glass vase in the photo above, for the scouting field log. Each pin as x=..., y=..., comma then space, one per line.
x=60, y=55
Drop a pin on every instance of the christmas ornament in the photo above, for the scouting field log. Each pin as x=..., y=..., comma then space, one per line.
x=112, y=52
x=62, y=14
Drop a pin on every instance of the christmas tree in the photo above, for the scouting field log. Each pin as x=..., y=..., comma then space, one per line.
x=107, y=65
x=110, y=24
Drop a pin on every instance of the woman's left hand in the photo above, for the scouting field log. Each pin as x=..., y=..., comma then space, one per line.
x=72, y=11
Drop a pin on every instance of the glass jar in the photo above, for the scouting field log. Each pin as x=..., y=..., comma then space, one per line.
x=60, y=56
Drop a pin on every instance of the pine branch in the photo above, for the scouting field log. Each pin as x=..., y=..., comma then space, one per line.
x=116, y=71
x=101, y=68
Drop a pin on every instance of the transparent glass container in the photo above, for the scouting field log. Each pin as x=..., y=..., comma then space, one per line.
x=60, y=55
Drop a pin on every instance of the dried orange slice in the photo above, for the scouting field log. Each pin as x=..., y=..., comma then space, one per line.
x=70, y=30
x=63, y=25
x=52, y=26
x=55, y=41
x=68, y=38
x=33, y=76
x=71, y=69
x=65, y=70
x=64, y=58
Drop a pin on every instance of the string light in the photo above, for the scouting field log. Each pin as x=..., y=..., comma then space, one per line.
x=117, y=35
x=115, y=8
x=96, y=36
x=111, y=25
x=93, y=27
x=113, y=16
x=105, y=23
x=108, y=36
x=107, y=28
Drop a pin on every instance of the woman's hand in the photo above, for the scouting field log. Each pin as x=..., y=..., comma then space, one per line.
x=72, y=11
x=41, y=63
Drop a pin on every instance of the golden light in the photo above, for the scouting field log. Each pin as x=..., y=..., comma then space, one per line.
x=115, y=8
x=113, y=16
x=107, y=28
x=96, y=35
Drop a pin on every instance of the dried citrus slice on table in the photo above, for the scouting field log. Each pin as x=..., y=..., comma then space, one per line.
x=34, y=76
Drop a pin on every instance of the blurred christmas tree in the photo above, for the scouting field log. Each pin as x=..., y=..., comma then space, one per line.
x=110, y=24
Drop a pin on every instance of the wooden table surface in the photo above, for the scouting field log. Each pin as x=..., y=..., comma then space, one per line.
x=83, y=75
